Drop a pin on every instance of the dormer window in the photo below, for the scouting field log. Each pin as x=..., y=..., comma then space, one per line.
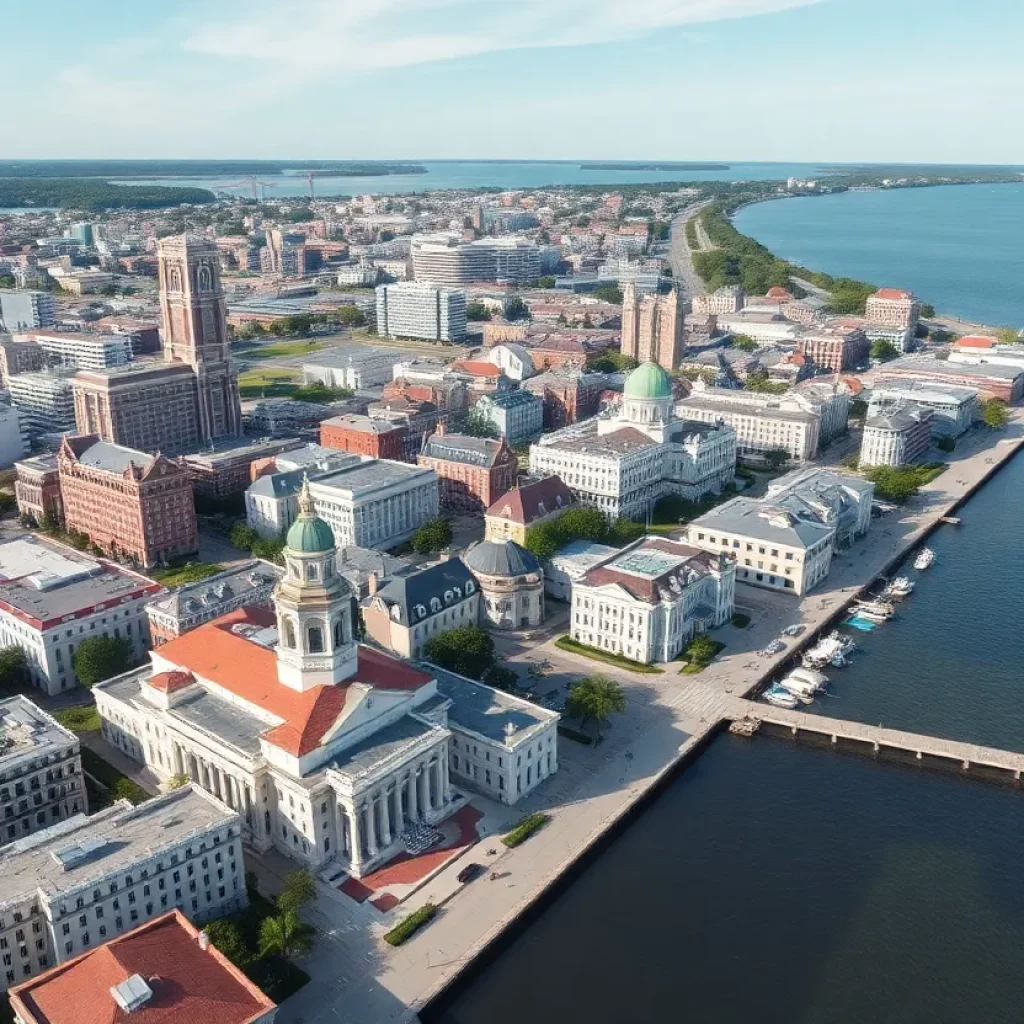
x=421, y=612
x=469, y=587
x=448, y=597
x=435, y=604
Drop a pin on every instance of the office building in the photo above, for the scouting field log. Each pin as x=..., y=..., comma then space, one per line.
x=763, y=423
x=897, y=435
x=1004, y=381
x=835, y=347
x=12, y=436
x=129, y=504
x=45, y=401
x=447, y=262
x=351, y=366
x=412, y=310
x=830, y=399
x=19, y=357
x=955, y=408
x=333, y=753
x=568, y=395
x=248, y=584
x=164, y=969
x=652, y=327
x=786, y=539
x=83, y=881
x=649, y=600
x=83, y=351
x=517, y=416
x=378, y=439
x=27, y=311
x=623, y=461
x=41, y=778
x=474, y=471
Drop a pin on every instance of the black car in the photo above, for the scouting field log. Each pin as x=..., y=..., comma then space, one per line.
x=469, y=872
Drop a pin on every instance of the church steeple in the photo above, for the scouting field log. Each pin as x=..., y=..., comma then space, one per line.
x=314, y=606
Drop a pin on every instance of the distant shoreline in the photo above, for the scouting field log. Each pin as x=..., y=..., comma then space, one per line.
x=671, y=166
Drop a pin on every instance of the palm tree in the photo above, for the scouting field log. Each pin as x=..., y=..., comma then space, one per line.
x=595, y=699
x=285, y=935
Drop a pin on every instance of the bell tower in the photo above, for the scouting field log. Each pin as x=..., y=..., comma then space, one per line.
x=314, y=605
x=195, y=330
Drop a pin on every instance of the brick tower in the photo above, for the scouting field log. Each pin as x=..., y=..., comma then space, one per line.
x=195, y=330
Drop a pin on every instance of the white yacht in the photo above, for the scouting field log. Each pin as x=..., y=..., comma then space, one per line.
x=830, y=650
x=925, y=557
x=899, y=587
x=780, y=698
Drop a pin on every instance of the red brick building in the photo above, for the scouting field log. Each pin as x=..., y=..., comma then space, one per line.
x=557, y=351
x=127, y=502
x=568, y=395
x=364, y=436
x=836, y=348
x=474, y=471
x=419, y=419
x=37, y=488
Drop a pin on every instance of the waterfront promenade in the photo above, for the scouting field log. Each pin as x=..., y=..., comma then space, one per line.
x=358, y=978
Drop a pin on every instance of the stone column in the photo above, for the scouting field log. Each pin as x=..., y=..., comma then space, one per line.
x=385, y=818
x=371, y=828
x=399, y=813
x=247, y=801
x=414, y=809
x=446, y=781
x=355, y=855
x=425, y=788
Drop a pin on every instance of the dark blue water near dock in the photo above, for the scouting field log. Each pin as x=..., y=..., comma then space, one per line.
x=783, y=885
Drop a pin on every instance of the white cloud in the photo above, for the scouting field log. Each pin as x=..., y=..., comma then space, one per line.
x=331, y=36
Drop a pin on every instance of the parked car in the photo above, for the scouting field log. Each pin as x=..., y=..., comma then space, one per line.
x=469, y=872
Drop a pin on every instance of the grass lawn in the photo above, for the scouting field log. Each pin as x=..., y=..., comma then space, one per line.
x=118, y=785
x=281, y=349
x=568, y=644
x=277, y=383
x=695, y=666
x=85, y=719
x=190, y=572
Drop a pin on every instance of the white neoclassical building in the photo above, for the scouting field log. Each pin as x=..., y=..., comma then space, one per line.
x=330, y=751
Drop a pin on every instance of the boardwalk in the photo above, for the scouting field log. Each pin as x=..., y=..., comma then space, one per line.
x=874, y=739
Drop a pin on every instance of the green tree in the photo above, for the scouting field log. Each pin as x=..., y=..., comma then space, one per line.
x=285, y=936
x=609, y=293
x=13, y=668
x=269, y=549
x=611, y=362
x=468, y=650
x=128, y=789
x=516, y=309
x=224, y=934
x=744, y=343
x=544, y=539
x=499, y=677
x=624, y=531
x=775, y=458
x=1008, y=336
x=927, y=310
x=432, y=536
x=244, y=537
x=758, y=380
x=945, y=444
x=349, y=316
x=299, y=888
x=583, y=524
x=994, y=414
x=595, y=699
x=478, y=425
x=701, y=649
x=7, y=281
x=883, y=350
x=178, y=781
x=858, y=409
x=546, y=281
x=477, y=311
x=99, y=658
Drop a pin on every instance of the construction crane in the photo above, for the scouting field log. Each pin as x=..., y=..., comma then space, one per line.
x=309, y=176
x=251, y=181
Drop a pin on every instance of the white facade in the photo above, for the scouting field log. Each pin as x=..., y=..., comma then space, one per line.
x=516, y=415
x=12, y=442
x=84, y=352
x=513, y=360
x=45, y=401
x=764, y=329
x=955, y=408
x=86, y=880
x=446, y=261
x=648, y=601
x=27, y=310
x=896, y=436
x=40, y=770
x=411, y=310
x=762, y=422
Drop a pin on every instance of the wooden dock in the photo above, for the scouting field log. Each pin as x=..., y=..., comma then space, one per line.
x=873, y=740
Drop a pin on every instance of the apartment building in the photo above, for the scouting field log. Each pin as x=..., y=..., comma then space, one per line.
x=40, y=770
x=893, y=307
x=27, y=310
x=85, y=880
x=44, y=401
x=83, y=351
x=835, y=347
x=448, y=262
x=414, y=310
x=19, y=357
x=652, y=327
x=128, y=503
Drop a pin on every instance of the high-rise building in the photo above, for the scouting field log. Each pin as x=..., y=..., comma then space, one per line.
x=195, y=330
x=652, y=327
x=27, y=311
x=893, y=307
x=447, y=261
x=411, y=310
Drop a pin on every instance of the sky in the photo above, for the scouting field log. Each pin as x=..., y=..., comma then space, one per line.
x=788, y=80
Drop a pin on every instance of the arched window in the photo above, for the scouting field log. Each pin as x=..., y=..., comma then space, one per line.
x=311, y=571
x=339, y=633
x=315, y=638
x=289, y=633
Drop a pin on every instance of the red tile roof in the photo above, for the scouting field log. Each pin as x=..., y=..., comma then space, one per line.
x=190, y=985
x=477, y=369
x=249, y=670
x=894, y=294
x=976, y=341
x=169, y=682
x=532, y=501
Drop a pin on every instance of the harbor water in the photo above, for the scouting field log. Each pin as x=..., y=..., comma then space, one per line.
x=783, y=885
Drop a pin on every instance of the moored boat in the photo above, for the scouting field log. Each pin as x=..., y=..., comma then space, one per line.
x=899, y=587
x=780, y=698
x=925, y=557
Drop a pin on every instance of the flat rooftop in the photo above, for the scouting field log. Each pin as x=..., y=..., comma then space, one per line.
x=368, y=476
x=43, y=583
x=28, y=732
x=76, y=853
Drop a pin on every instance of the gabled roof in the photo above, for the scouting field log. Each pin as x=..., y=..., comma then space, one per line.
x=216, y=652
x=976, y=341
x=189, y=985
x=477, y=369
x=532, y=501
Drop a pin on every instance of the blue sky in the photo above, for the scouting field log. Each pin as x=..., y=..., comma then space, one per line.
x=790, y=80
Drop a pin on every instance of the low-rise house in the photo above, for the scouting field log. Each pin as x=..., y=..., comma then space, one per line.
x=41, y=779
x=649, y=600
x=403, y=613
x=530, y=504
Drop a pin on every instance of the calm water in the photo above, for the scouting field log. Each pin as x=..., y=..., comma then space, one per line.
x=958, y=247
x=443, y=174
x=950, y=663
x=782, y=885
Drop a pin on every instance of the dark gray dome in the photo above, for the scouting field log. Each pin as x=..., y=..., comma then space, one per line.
x=500, y=558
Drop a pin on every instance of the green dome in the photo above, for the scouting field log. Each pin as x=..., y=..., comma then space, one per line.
x=309, y=536
x=648, y=381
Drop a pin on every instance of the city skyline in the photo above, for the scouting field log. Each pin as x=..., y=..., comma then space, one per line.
x=868, y=80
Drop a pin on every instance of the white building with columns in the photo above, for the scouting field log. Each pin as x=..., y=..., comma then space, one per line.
x=329, y=750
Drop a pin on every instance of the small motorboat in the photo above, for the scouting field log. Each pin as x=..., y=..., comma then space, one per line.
x=864, y=625
x=925, y=557
x=899, y=587
x=780, y=698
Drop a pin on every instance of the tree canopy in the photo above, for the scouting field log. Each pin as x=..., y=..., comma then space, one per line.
x=477, y=311
x=744, y=343
x=13, y=668
x=516, y=309
x=432, y=536
x=883, y=350
x=595, y=699
x=99, y=658
x=994, y=414
x=467, y=650
x=608, y=293
x=285, y=935
x=299, y=888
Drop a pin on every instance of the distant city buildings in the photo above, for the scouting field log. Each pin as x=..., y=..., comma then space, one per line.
x=446, y=261
x=414, y=310
x=27, y=310
x=725, y=300
x=45, y=401
x=82, y=351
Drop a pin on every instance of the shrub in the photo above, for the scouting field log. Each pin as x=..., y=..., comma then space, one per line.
x=407, y=927
x=530, y=824
x=99, y=658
